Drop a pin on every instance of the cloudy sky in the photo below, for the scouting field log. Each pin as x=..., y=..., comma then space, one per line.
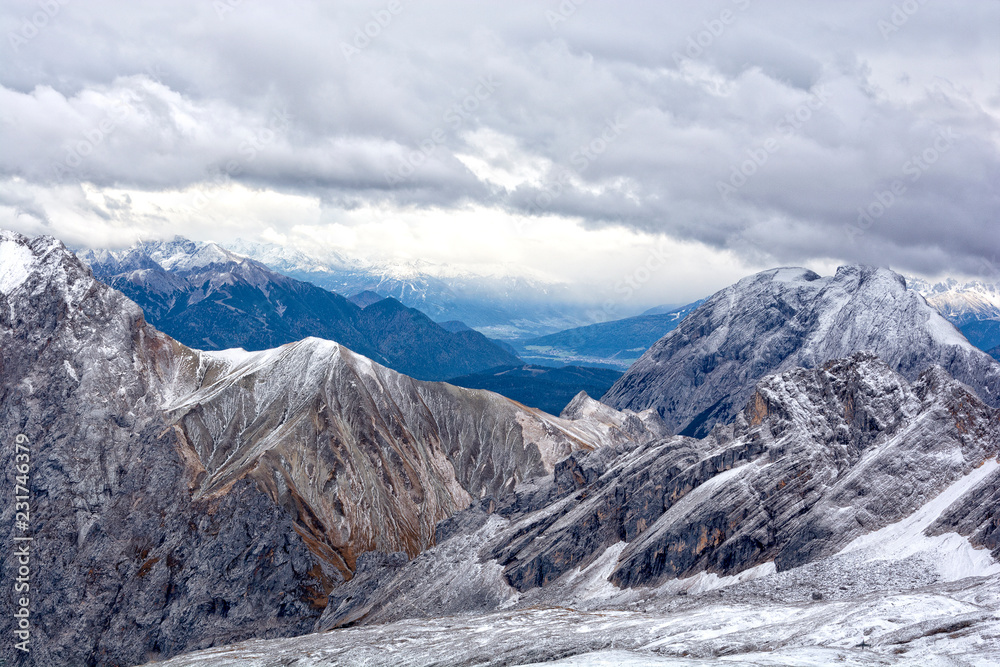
x=683, y=144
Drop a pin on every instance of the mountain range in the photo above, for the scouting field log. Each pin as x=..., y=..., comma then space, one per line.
x=501, y=306
x=973, y=306
x=705, y=370
x=846, y=516
x=205, y=296
x=546, y=326
x=803, y=471
x=183, y=499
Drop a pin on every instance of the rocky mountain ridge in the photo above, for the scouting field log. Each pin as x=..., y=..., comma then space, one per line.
x=182, y=499
x=705, y=370
x=820, y=465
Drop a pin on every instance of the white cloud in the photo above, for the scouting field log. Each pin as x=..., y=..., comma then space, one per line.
x=120, y=120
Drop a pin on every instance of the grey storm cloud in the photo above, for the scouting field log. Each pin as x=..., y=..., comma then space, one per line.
x=856, y=130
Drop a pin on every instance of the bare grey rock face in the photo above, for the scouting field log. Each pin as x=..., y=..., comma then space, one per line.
x=125, y=563
x=816, y=459
x=183, y=499
x=364, y=458
x=704, y=371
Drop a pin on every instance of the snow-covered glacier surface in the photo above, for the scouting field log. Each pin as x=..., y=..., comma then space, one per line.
x=935, y=625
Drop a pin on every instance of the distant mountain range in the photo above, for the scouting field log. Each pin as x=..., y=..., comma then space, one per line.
x=974, y=307
x=500, y=306
x=614, y=344
x=204, y=295
x=546, y=388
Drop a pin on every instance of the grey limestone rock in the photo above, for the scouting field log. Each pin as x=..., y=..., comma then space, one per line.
x=183, y=499
x=704, y=371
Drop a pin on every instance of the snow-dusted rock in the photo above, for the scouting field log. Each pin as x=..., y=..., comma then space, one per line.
x=816, y=465
x=182, y=499
x=703, y=372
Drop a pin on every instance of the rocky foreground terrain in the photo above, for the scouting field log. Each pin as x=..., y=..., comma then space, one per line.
x=844, y=506
x=335, y=512
x=183, y=499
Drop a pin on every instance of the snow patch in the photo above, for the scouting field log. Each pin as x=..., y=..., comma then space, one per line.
x=952, y=553
x=16, y=261
x=710, y=581
x=944, y=332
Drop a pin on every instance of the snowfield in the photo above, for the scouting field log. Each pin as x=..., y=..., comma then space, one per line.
x=931, y=625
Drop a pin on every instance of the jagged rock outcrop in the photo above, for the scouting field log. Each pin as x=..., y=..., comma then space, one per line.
x=126, y=564
x=183, y=499
x=816, y=459
x=365, y=458
x=704, y=371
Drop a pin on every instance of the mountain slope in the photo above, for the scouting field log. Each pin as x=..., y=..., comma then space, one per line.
x=127, y=561
x=846, y=473
x=703, y=372
x=413, y=344
x=208, y=297
x=182, y=499
x=363, y=457
x=615, y=344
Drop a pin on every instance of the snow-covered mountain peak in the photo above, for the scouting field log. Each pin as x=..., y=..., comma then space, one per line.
x=961, y=302
x=792, y=274
x=703, y=371
x=192, y=256
x=16, y=260
x=281, y=258
x=41, y=264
